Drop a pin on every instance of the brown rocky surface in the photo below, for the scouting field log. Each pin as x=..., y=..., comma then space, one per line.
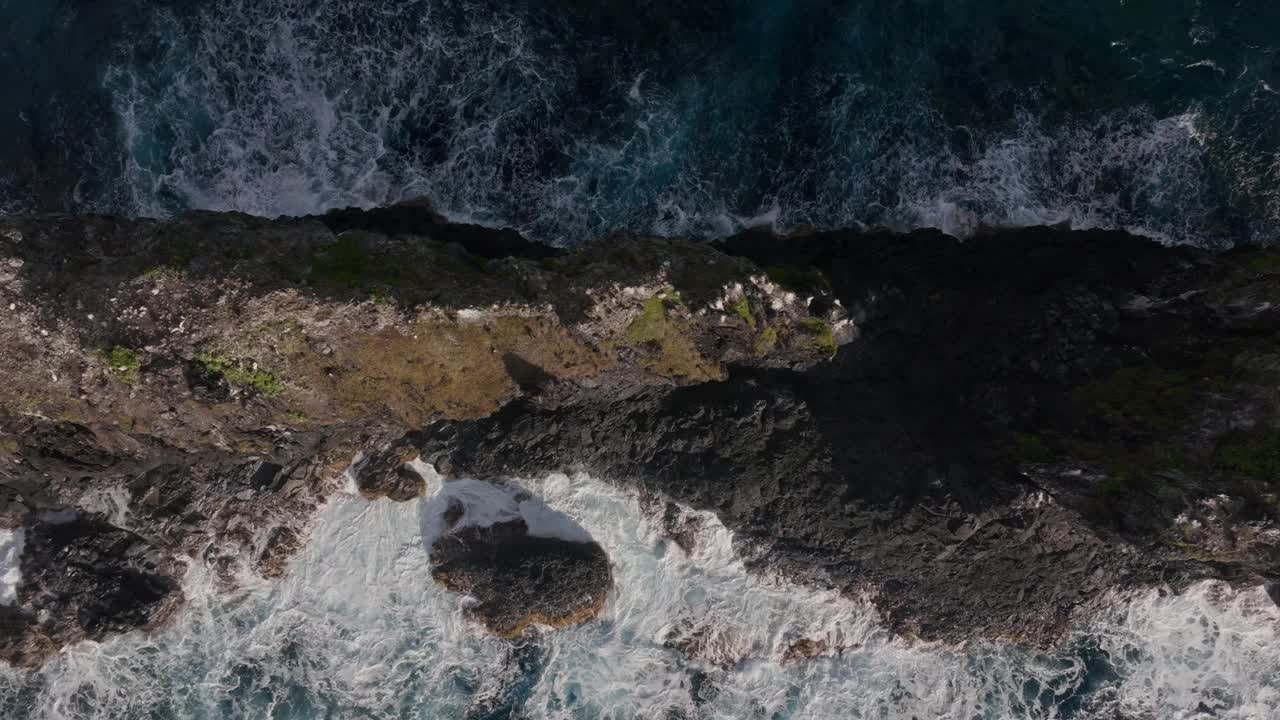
x=1012, y=427
x=207, y=380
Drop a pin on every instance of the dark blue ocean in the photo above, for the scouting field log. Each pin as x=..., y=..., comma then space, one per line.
x=576, y=118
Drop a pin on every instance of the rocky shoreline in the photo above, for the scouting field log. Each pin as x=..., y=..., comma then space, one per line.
x=988, y=436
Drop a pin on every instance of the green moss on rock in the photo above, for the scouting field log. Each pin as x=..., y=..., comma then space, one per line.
x=1152, y=397
x=1029, y=447
x=1256, y=455
x=1266, y=262
x=766, y=341
x=742, y=308
x=672, y=352
x=349, y=265
x=125, y=364
x=820, y=334
x=240, y=373
x=164, y=272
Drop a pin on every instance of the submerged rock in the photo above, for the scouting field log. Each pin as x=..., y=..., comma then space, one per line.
x=708, y=641
x=519, y=580
x=805, y=649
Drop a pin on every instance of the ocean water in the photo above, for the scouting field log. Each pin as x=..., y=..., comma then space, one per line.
x=357, y=629
x=573, y=119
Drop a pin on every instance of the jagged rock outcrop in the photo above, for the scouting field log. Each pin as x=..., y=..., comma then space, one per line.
x=1013, y=426
x=84, y=578
x=1023, y=423
x=205, y=381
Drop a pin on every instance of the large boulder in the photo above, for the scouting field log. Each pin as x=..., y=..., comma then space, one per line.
x=519, y=580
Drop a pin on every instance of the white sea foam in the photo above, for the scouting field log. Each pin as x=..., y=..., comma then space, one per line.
x=358, y=629
x=288, y=108
x=11, y=542
x=300, y=106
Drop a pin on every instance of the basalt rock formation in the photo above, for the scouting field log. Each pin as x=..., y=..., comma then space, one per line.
x=1022, y=424
x=987, y=436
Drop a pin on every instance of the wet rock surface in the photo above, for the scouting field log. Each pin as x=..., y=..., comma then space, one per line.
x=389, y=473
x=1012, y=427
x=519, y=580
x=85, y=579
x=707, y=642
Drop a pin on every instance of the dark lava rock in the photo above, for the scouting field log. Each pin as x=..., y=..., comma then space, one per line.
x=1014, y=431
x=519, y=580
x=82, y=580
x=418, y=218
x=387, y=474
x=282, y=543
x=1013, y=426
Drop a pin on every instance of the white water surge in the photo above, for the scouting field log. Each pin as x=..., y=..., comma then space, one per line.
x=11, y=542
x=300, y=106
x=358, y=629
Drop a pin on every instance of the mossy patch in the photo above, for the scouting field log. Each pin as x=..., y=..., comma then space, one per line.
x=164, y=272
x=1263, y=367
x=179, y=252
x=1255, y=454
x=799, y=279
x=356, y=262
x=742, y=308
x=287, y=337
x=437, y=368
x=1266, y=262
x=1128, y=469
x=240, y=373
x=125, y=364
x=1028, y=447
x=349, y=265
x=820, y=334
x=669, y=348
x=1150, y=397
x=766, y=341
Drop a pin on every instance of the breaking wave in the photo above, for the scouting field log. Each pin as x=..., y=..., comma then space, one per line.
x=357, y=629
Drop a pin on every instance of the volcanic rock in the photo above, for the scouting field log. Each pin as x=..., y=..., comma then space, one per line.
x=989, y=437
x=84, y=579
x=519, y=580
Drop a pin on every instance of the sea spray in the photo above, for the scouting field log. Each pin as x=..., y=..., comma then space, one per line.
x=357, y=628
x=569, y=124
